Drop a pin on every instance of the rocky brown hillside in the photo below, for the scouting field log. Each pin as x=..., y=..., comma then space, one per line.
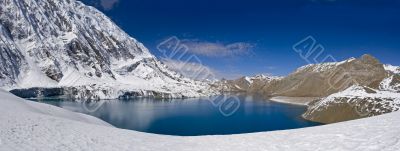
x=351, y=89
x=315, y=80
x=319, y=80
x=358, y=102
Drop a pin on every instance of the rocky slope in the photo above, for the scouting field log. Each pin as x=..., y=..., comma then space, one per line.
x=351, y=89
x=319, y=80
x=65, y=44
x=358, y=101
x=315, y=80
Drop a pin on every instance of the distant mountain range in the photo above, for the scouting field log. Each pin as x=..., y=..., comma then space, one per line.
x=60, y=47
x=350, y=89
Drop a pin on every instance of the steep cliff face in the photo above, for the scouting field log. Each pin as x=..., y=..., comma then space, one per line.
x=63, y=43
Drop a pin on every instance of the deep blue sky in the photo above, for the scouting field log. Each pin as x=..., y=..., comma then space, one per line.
x=346, y=28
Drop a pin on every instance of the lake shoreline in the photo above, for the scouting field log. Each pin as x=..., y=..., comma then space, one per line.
x=301, y=101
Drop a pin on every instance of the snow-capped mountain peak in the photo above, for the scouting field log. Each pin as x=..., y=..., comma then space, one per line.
x=391, y=68
x=64, y=43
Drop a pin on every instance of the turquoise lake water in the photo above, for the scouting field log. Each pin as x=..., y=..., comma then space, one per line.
x=193, y=117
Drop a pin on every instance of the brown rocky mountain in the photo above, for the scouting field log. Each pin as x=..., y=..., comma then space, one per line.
x=319, y=80
x=358, y=101
x=315, y=80
x=351, y=89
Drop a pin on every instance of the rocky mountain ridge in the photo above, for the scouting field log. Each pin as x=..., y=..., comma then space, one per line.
x=316, y=80
x=350, y=89
x=358, y=101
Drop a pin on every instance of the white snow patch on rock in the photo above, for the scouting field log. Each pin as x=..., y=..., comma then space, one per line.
x=391, y=68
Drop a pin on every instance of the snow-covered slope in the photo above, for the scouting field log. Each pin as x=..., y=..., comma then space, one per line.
x=63, y=43
x=32, y=126
x=353, y=103
x=392, y=84
x=322, y=67
x=393, y=69
x=358, y=101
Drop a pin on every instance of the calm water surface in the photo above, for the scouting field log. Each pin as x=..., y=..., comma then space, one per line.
x=191, y=117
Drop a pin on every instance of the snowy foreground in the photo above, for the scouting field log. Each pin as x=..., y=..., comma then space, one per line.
x=26, y=125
